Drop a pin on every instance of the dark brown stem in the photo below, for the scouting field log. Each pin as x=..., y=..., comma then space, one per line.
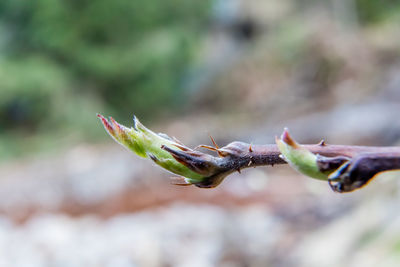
x=264, y=155
x=238, y=155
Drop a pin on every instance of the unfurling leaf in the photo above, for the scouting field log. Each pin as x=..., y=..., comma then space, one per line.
x=157, y=147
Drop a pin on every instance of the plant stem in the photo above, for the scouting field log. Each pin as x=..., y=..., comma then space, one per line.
x=239, y=155
x=346, y=168
x=265, y=155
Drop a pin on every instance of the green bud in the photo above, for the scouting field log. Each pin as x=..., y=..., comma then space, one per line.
x=148, y=144
x=299, y=158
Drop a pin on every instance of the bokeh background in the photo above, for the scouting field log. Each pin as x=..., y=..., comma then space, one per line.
x=235, y=69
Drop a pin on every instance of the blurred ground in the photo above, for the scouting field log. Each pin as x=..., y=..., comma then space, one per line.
x=103, y=206
x=243, y=70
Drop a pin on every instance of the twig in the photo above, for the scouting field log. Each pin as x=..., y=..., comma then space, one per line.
x=345, y=167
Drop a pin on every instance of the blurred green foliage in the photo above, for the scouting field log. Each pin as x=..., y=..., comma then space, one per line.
x=67, y=58
x=61, y=61
x=373, y=11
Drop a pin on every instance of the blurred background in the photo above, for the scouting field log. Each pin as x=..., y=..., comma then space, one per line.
x=235, y=69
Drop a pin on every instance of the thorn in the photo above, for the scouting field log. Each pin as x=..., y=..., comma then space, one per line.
x=215, y=144
x=220, y=153
x=322, y=143
x=182, y=147
x=215, y=148
x=206, y=147
x=285, y=137
x=250, y=148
